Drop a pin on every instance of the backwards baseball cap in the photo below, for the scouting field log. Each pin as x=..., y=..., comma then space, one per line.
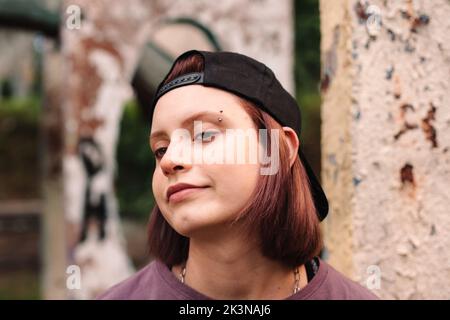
x=252, y=80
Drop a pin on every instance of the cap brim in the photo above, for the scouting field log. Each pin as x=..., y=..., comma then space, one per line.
x=320, y=199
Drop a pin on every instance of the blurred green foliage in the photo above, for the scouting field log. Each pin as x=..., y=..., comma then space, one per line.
x=19, y=137
x=307, y=76
x=19, y=285
x=307, y=45
x=135, y=165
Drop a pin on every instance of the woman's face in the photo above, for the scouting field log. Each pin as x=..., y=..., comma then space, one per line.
x=229, y=184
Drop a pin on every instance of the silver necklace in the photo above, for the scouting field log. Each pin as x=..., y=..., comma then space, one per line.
x=296, y=277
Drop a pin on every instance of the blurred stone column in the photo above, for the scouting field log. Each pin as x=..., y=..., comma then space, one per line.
x=386, y=139
x=53, y=241
x=100, y=54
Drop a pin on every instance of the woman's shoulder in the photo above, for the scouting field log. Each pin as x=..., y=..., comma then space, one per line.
x=337, y=286
x=133, y=287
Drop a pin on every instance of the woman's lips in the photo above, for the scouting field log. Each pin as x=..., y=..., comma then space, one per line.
x=182, y=194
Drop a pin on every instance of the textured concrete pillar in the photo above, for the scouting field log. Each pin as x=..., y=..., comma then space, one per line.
x=53, y=244
x=101, y=51
x=386, y=139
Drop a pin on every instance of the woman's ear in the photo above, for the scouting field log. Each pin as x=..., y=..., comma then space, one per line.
x=292, y=142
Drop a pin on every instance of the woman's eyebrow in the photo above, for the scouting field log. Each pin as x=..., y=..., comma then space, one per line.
x=189, y=121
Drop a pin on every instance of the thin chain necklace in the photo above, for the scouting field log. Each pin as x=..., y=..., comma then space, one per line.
x=296, y=277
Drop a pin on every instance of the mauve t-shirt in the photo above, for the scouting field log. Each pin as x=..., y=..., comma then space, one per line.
x=157, y=282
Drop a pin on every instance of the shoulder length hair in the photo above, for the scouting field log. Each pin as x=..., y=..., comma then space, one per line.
x=281, y=209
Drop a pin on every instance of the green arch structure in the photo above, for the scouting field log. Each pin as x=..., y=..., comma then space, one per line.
x=34, y=16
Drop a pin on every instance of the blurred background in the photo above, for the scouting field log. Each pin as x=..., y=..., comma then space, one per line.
x=76, y=79
x=22, y=99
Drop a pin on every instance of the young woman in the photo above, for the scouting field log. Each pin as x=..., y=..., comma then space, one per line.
x=225, y=229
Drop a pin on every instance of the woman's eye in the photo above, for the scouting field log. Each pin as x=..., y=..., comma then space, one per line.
x=157, y=154
x=207, y=134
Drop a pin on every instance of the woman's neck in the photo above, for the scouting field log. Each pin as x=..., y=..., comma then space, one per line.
x=226, y=266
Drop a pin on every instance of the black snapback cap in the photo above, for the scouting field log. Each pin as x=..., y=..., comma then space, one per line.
x=252, y=80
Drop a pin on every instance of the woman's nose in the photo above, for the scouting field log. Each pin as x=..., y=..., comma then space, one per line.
x=177, y=155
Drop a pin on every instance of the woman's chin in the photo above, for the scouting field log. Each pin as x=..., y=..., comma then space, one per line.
x=189, y=231
x=194, y=228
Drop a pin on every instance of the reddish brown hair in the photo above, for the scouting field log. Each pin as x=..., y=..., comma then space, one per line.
x=281, y=209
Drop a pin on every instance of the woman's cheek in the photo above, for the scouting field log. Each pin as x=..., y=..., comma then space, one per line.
x=157, y=185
